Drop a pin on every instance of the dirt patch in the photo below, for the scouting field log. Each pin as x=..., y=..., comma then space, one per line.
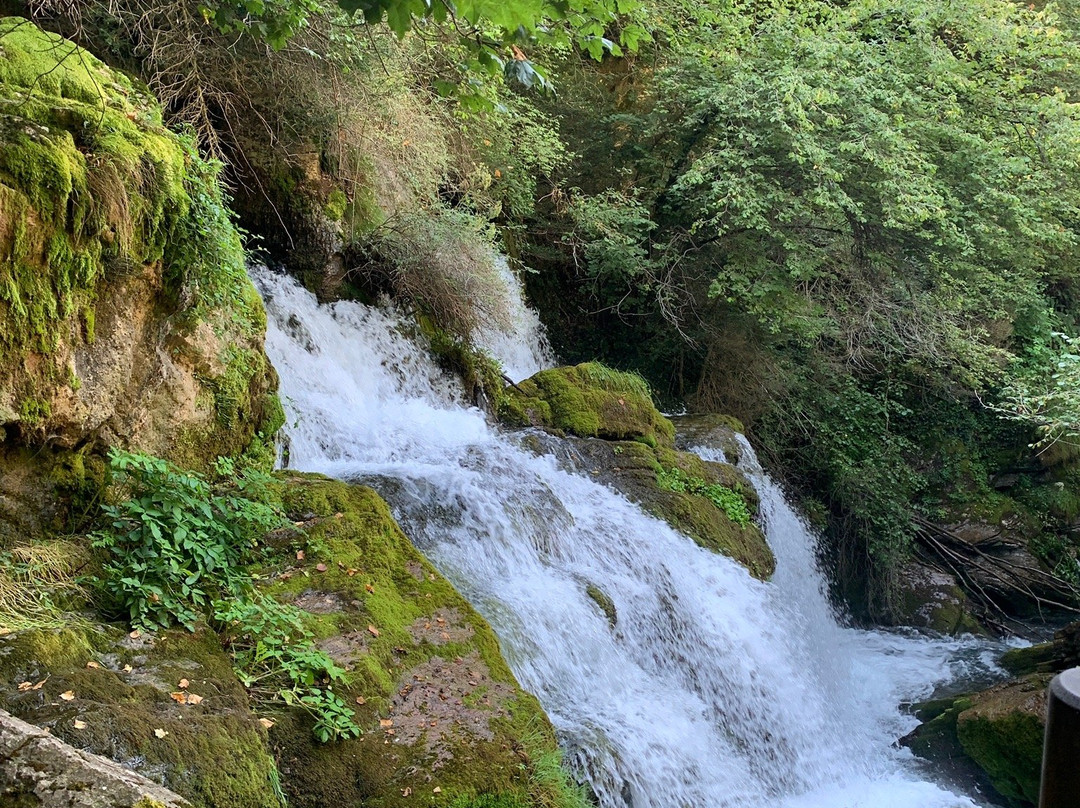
x=415, y=570
x=344, y=648
x=440, y=700
x=316, y=602
x=445, y=625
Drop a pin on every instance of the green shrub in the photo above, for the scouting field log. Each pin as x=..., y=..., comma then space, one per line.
x=175, y=543
x=274, y=658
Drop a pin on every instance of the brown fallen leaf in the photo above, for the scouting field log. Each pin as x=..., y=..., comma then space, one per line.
x=266, y=722
x=92, y=665
x=373, y=631
x=320, y=567
x=386, y=723
x=300, y=553
x=127, y=669
x=194, y=698
x=24, y=686
x=405, y=792
x=183, y=683
x=339, y=515
x=179, y=698
x=361, y=700
x=351, y=571
x=369, y=588
x=436, y=790
x=78, y=724
x=135, y=634
x=160, y=733
x=68, y=695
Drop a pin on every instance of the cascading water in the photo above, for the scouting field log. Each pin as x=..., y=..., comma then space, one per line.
x=713, y=689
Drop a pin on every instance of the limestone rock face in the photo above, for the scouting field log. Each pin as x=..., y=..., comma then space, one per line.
x=126, y=316
x=38, y=769
x=932, y=599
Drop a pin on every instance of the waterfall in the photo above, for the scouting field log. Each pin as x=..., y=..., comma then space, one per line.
x=523, y=348
x=713, y=689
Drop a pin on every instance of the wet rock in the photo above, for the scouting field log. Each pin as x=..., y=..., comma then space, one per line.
x=933, y=600
x=41, y=770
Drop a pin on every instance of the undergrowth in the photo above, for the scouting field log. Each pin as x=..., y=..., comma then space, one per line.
x=177, y=545
x=36, y=581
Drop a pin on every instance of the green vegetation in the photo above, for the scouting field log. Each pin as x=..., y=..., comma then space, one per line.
x=731, y=502
x=175, y=544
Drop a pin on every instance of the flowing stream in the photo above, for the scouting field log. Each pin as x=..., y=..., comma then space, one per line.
x=713, y=689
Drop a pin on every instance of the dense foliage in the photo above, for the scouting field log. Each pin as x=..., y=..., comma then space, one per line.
x=853, y=225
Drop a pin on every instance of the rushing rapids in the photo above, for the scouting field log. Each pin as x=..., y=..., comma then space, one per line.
x=713, y=689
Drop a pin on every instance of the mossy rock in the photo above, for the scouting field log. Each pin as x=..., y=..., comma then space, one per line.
x=126, y=315
x=632, y=468
x=929, y=598
x=1002, y=730
x=590, y=401
x=122, y=692
x=436, y=701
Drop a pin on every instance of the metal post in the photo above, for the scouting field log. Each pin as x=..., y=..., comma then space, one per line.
x=1061, y=746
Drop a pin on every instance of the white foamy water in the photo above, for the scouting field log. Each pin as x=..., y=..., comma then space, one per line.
x=522, y=347
x=714, y=689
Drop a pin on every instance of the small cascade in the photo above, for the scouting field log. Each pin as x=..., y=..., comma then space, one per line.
x=522, y=347
x=713, y=689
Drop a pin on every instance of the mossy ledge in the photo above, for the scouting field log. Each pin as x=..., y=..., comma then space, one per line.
x=590, y=401
x=622, y=440
x=444, y=720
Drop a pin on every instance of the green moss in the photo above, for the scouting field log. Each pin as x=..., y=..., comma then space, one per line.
x=588, y=400
x=213, y=754
x=606, y=604
x=374, y=589
x=335, y=205
x=1002, y=731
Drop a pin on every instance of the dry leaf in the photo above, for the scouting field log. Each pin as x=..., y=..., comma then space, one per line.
x=194, y=698
x=300, y=553
x=361, y=700
x=78, y=724
x=373, y=631
x=351, y=571
x=68, y=695
x=369, y=588
x=183, y=683
x=320, y=567
x=127, y=669
x=436, y=790
x=266, y=722
x=179, y=698
x=93, y=665
x=160, y=733
x=339, y=515
x=135, y=634
x=386, y=723
x=405, y=792
x=24, y=686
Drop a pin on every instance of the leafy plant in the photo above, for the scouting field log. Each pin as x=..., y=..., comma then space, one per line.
x=175, y=542
x=730, y=501
x=275, y=658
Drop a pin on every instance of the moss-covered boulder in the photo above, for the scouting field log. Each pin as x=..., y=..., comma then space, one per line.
x=168, y=706
x=675, y=487
x=443, y=719
x=1002, y=731
x=126, y=317
x=589, y=401
x=929, y=598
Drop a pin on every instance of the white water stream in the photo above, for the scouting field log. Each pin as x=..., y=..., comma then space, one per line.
x=714, y=689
